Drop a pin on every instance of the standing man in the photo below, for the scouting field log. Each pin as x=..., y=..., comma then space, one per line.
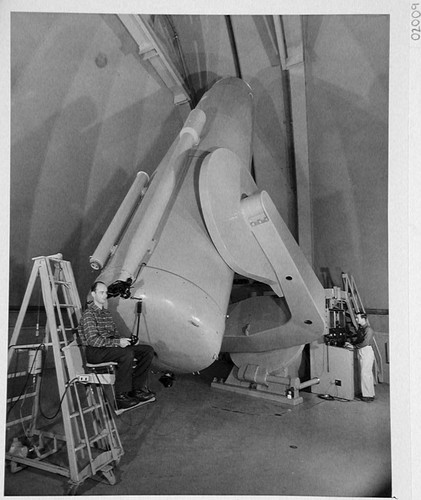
x=365, y=355
x=98, y=333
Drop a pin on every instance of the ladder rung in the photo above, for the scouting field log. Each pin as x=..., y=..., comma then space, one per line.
x=80, y=446
x=61, y=282
x=103, y=434
x=34, y=346
x=17, y=398
x=19, y=421
x=50, y=435
x=66, y=305
x=87, y=409
x=26, y=346
x=17, y=374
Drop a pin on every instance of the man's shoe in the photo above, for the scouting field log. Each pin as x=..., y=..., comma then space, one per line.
x=142, y=396
x=124, y=401
x=148, y=391
x=367, y=399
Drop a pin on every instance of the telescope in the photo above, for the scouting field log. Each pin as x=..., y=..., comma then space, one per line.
x=181, y=236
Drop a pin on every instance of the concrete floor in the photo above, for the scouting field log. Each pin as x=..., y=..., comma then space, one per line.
x=197, y=440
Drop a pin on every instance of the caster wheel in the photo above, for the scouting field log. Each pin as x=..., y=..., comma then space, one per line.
x=109, y=476
x=72, y=489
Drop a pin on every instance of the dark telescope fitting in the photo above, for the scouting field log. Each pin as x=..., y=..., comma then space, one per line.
x=120, y=288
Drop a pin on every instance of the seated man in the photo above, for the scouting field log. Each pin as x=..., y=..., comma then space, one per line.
x=98, y=333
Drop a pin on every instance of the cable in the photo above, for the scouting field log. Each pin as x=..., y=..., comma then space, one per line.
x=102, y=389
x=23, y=390
x=234, y=49
x=329, y=397
x=342, y=400
x=38, y=312
x=61, y=401
x=186, y=75
x=22, y=418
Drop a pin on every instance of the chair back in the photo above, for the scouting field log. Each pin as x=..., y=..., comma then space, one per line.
x=74, y=360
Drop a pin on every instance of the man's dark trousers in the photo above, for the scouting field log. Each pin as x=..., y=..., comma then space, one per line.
x=127, y=378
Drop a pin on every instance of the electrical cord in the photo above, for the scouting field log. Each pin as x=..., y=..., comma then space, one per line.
x=21, y=414
x=326, y=397
x=23, y=390
x=103, y=390
x=60, y=402
x=329, y=397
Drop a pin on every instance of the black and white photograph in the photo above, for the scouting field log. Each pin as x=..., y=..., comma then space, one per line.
x=210, y=243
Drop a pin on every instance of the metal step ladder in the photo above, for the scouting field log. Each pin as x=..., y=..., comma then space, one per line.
x=355, y=305
x=79, y=438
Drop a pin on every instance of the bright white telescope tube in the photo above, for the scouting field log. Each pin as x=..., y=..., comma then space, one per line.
x=159, y=192
x=105, y=246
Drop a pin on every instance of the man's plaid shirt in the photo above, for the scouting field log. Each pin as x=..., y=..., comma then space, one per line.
x=97, y=328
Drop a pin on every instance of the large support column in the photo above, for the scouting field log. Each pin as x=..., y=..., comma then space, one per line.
x=290, y=43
